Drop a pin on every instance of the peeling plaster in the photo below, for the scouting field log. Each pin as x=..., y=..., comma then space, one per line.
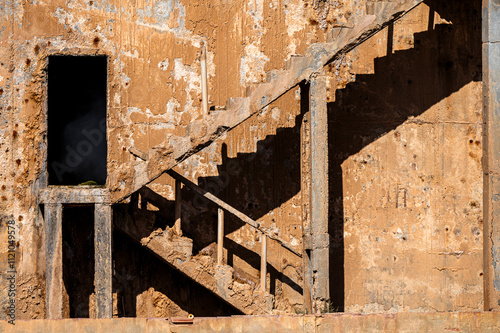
x=252, y=65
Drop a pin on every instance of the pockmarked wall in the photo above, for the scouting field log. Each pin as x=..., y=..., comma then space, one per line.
x=154, y=88
x=405, y=129
x=405, y=114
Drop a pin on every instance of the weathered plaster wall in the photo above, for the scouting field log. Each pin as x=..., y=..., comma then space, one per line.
x=154, y=92
x=406, y=175
x=406, y=126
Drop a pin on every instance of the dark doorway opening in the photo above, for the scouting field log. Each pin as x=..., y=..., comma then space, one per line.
x=78, y=260
x=77, y=146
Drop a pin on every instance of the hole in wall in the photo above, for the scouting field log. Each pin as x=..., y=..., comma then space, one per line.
x=77, y=146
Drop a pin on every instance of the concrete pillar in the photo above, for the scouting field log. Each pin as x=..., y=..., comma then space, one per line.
x=53, y=261
x=491, y=160
x=319, y=239
x=305, y=189
x=103, y=261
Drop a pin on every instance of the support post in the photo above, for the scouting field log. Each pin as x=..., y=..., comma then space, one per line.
x=491, y=159
x=103, y=260
x=320, y=239
x=53, y=261
x=220, y=237
x=178, y=208
x=305, y=189
x=263, y=261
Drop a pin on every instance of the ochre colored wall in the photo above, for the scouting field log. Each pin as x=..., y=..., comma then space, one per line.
x=405, y=129
x=406, y=154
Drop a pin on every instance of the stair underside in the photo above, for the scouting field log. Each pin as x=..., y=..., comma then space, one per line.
x=177, y=252
x=203, y=132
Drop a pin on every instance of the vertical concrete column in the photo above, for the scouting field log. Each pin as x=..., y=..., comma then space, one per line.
x=53, y=261
x=320, y=240
x=103, y=260
x=305, y=189
x=491, y=160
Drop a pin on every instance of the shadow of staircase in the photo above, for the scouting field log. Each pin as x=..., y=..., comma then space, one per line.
x=405, y=85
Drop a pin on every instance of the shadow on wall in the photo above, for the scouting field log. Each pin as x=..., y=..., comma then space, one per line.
x=405, y=84
x=254, y=183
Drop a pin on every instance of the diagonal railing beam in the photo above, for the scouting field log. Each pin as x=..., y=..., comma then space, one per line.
x=266, y=231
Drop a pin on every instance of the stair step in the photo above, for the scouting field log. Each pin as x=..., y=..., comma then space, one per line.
x=274, y=74
x=294, y=61
x=260, y=95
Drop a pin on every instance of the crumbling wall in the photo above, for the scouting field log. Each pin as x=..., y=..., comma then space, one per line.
x=154, y=92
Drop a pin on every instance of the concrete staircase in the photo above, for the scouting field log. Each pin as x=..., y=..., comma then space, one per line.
x=299, y=68
x=175, y=249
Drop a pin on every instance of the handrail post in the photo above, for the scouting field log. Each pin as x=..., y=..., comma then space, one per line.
x=220, y=237
x=178, y=208
x=263, y=261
